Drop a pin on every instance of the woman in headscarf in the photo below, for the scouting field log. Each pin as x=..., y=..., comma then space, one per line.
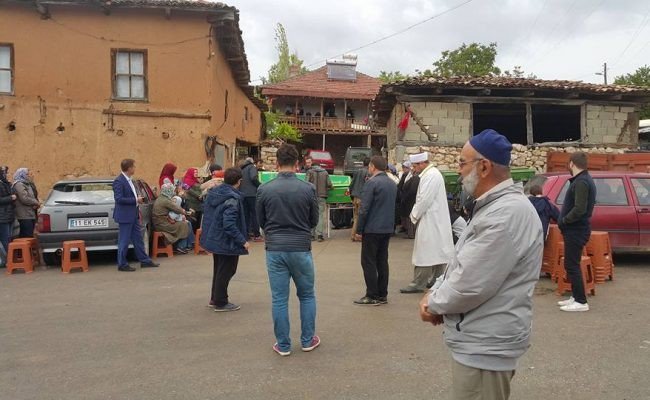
x=7, y=200
x=27, y=203
x=178, y=233
x=167, y=173
x=193, y=196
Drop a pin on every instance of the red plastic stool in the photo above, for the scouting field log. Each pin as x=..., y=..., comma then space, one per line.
x=33, y=244
x=80, y=261
x=160, y=246
x=19, y=256
x=197, y=246
x=588, y=280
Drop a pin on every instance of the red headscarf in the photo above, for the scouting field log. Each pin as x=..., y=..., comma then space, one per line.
x=190, y=180
x=167, y=173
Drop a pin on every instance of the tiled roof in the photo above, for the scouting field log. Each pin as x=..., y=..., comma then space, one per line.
x=200, y=5
x=498, y=82
x=316, y=84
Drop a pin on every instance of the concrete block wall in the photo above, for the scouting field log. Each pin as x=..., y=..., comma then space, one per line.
x=605, y=124
x=451, y=121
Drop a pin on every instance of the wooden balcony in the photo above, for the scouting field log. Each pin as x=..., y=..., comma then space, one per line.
x=328, y=124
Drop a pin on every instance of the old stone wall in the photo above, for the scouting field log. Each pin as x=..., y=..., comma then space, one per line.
x=446, y=157
x=451, y=121
x=611, y=124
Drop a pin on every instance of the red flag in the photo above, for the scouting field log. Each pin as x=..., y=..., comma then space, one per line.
x=404, y=123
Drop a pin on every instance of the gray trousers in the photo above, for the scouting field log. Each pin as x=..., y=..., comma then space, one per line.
x=322, y=215
x=425, y=277
x=479, y=384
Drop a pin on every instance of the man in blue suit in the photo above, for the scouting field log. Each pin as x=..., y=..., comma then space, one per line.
x=127, y=216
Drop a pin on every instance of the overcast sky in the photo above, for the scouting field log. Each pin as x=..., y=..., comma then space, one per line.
x=554, y=39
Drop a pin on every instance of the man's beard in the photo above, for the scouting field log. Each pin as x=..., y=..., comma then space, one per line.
x=470, y=182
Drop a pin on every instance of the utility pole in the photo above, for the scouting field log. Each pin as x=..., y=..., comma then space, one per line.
x=604, y=73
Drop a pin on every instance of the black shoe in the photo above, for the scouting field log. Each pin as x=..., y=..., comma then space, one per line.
x=382, y=300
x=126, y=268
x=367, y=301
x=321, y=238
x=149, y=265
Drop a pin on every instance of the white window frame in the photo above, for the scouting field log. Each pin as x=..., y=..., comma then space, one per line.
x=11, y=68
x=115, y=75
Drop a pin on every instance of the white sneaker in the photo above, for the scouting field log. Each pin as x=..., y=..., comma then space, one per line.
x=566, y=302
x=575, y=307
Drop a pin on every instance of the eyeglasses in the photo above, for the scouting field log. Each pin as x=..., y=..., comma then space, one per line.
x=461, y=163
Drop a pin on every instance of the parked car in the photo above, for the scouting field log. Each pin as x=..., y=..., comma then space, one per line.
x=622, y=206
x=82, y=209
x=323, y=158
x=354, y=159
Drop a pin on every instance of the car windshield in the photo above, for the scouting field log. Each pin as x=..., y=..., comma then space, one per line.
x=359, y=155
x=320, y=155
x=81, y=193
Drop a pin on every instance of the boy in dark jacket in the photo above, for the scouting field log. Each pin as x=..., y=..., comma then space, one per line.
x=224, y=234
x=545, y=209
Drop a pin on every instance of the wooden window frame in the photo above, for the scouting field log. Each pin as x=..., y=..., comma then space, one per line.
x=145, y=68
x=12, y=69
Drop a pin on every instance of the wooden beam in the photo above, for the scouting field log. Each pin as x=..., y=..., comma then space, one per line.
x=528, y=93
x=155, y=114
x=615, y=97
x=572, y=95
x=529, y=124
x=477, y=99
x=484, y=92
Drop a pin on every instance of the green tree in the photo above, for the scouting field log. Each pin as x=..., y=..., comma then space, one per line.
x=281, y=69
x=391, y=77
x=640, y=77
x=280, y=130
x=474, y=59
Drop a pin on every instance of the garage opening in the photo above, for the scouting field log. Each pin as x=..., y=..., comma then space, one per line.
x=507, y=119
x=553, y=123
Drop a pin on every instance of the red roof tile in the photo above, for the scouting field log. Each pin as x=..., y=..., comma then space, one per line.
x=316, y=84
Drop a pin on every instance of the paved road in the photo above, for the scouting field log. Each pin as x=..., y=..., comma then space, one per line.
x=148, y=335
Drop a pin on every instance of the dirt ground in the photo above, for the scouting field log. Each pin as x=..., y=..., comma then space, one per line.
x=149, y=335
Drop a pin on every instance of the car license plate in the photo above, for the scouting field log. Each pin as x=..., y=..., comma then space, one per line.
x=87, y=223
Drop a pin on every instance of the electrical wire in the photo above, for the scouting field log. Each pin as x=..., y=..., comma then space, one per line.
x=532, y=28
x=641, y=26
x=104, y=39
x=381, y=39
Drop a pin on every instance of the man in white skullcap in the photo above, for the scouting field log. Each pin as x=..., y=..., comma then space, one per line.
x=434, y=243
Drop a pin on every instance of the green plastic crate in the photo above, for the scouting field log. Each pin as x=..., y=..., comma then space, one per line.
x=338, y=194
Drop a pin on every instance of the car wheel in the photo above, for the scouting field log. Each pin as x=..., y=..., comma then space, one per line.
x=52, y=259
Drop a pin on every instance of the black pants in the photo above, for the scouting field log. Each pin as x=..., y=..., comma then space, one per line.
x=374, y=261
x=250, y=216
x=574, y=242
x=225, y=268
x=196, y=221
x=26, y=228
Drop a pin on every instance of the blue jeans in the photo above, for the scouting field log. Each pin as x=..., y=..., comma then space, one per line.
x=188, y=242
x=282, y=267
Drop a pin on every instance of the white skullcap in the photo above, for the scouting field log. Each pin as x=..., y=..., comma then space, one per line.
x=418, y=158
x=407, y=164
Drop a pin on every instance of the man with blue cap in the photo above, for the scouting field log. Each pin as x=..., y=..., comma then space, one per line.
x=484, y=299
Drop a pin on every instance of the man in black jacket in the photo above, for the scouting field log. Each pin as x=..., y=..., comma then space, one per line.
x=376, y=224
x=287, y=209
x=575, y=225
x=7, y=215
x=248, y=188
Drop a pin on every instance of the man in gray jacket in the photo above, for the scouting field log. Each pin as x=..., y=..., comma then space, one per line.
x=318, y=177
x=484, y=299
